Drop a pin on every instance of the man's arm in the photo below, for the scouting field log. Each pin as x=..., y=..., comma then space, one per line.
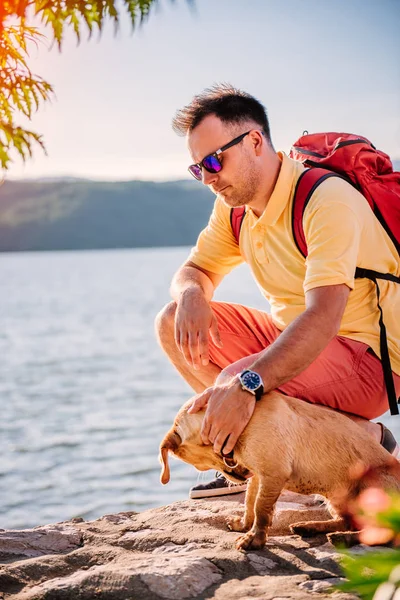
x=192, y=279
x=192, y=289
x=294, y=350
x=304, y=339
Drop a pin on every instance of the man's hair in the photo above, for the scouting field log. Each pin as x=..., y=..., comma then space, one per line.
x=231, y=105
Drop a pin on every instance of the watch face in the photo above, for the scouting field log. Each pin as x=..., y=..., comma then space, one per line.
x=251, y=380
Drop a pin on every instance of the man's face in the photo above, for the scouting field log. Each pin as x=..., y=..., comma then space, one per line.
x=240, y=176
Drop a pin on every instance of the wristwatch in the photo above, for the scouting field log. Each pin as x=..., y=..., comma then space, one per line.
x=252, y=382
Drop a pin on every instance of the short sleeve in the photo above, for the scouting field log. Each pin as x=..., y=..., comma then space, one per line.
x=216, y=249
x=333, y=231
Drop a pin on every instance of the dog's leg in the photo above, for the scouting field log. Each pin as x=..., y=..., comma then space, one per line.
x=338, y=522
x=246, y=522
x=269, y=490
x=310, y=528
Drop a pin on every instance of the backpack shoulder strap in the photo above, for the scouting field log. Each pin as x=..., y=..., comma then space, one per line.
x=237, y=216
x=305, y=187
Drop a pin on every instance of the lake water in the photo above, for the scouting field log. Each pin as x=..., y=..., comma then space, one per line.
x=86, y=393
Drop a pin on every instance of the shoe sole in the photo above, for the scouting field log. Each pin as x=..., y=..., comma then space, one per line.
x=234, y=489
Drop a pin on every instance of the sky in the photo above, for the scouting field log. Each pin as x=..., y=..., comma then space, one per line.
x=316, y=65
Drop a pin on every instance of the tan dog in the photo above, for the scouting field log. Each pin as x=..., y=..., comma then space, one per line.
x=288, y=444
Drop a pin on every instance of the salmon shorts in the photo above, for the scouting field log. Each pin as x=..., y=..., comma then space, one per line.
x=346, y=376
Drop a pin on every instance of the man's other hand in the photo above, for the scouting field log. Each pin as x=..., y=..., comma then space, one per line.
x=194, y=322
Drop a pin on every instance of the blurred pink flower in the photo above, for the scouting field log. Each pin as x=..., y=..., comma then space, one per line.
x=375, y=536
x=373, y=500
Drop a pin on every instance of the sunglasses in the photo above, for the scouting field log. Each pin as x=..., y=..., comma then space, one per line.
x=211, y=162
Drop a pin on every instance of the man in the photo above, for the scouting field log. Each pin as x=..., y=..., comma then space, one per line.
x=320, y=343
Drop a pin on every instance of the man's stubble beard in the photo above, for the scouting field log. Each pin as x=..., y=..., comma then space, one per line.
x=243, y=194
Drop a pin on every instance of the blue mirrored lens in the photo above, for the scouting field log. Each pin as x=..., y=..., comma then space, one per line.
x=195, y=170
x=212, y=164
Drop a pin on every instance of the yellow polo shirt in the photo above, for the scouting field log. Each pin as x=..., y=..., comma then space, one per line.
x=341, y=233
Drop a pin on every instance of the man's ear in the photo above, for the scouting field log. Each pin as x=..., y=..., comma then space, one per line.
x=171, y=442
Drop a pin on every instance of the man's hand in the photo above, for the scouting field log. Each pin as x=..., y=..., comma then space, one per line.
x=229, y=409
x=194, y=321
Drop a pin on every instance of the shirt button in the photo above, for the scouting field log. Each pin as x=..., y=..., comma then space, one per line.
x=259, y=245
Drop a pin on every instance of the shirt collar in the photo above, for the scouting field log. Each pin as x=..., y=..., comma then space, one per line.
x=282, y=192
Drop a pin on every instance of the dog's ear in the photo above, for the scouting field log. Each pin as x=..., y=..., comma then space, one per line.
x=171, y=442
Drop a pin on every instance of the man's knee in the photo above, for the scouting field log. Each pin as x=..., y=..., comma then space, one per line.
x=165, y=321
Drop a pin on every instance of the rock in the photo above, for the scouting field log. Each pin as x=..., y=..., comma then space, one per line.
x=363, y=549
x=183, y=550
x=51, y=539
x=177, y=577
x=321, y=586
x=324, y=553
x=261, y=564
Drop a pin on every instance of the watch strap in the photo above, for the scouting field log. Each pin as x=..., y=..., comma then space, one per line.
x=259, y=393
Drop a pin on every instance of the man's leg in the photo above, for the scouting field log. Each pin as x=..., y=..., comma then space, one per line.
x=346, y=376
x=323, y=392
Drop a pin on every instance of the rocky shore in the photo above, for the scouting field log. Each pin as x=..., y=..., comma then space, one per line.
x=183, y=550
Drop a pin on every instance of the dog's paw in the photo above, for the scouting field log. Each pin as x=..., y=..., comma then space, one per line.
x=251, y=541
x=236, y=524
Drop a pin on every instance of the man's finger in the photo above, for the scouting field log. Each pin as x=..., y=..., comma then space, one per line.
x=203, y=347
x=178, y=337
x=231, y=442
x=219, y=441
x=199, y=403
x=205, y=431
x=214, y=332
x=194, y=349
x=185, y=349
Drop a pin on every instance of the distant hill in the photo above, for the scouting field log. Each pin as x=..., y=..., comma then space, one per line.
x=81, y=214
x=78, y=214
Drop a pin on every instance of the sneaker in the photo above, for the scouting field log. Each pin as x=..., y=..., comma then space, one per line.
x=217, y=487
x=388, y=441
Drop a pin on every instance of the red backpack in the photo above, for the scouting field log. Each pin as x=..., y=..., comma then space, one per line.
x=369, y=170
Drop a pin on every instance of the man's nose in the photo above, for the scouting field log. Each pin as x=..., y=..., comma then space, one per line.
x=208, y=178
